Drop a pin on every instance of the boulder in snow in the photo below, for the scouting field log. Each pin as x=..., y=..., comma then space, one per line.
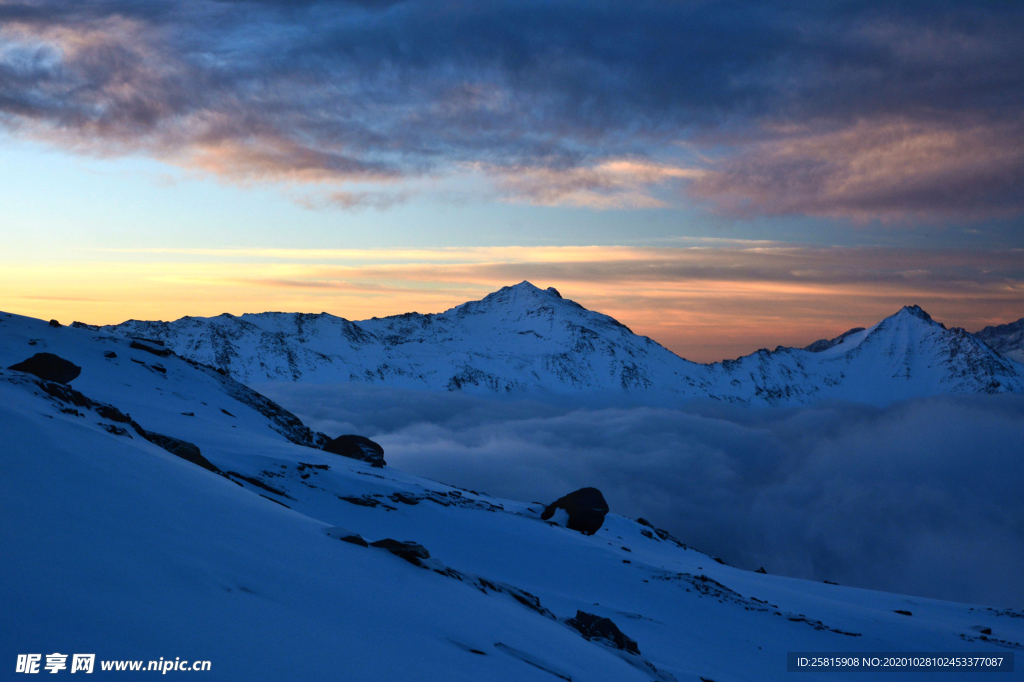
x=586, y=508
x=49, y=367
x=357, y=447
x=596, y=627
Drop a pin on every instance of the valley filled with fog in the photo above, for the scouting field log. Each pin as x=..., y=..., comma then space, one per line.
x=918, y=497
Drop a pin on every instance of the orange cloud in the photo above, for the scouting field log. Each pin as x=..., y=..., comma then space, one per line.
x=614, y=183
x=883, y=168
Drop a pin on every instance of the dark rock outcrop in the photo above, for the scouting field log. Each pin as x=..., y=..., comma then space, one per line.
x=258, y=483
x=357, y=447
x=281, y=420
x=180, y=448
x=345, y=535
x=160, y=352
x=355, y=540
x=586, y=508
x=410, y=551
x=49, y=367
x=596, y=627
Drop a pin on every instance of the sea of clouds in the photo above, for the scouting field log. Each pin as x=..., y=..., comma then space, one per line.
x=924, y=497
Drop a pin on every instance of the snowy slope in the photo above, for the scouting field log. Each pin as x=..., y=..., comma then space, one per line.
x=1007, y=339
x=117, y=547
x=522, y=338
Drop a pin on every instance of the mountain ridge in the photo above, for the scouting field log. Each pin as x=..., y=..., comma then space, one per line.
x=1006, y=339
x=522, y=338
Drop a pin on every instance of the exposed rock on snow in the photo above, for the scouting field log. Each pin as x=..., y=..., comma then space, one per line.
x=586, y=509
x=187, y=451
x=49, y=367
x=410, y=551
x=357, y=447
x=596, y=627
x=345, y=535
x=68, y=396
x=160, y=352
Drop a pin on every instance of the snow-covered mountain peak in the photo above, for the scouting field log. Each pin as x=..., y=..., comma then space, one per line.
x=524, y=300
x=918, y=312
x=523, y=293
x=907, y=318
x=908, y=326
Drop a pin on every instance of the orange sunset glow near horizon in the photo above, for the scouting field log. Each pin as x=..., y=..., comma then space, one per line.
x=704, y=303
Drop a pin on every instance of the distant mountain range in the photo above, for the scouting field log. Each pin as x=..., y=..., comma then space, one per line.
x=1007, y=339
x=522, y=339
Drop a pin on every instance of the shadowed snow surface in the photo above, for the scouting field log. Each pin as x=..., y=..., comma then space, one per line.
x=116, y=546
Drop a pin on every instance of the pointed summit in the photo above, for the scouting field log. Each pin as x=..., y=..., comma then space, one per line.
x=523, y=295
x=525, y=288
x=916, y=311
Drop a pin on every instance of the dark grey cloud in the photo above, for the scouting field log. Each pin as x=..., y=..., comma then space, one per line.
x=922, y=497
x=908, y=272
x=786, y=101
